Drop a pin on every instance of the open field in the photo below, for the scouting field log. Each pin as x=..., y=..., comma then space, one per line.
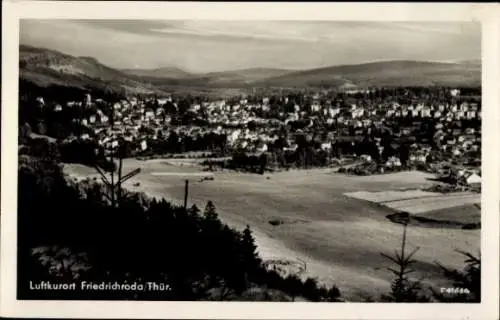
x=453, y=207
x=391, y=195
x=466, y=214
x=422, y=205
x=340, y=238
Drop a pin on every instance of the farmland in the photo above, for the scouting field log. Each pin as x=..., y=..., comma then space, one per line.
x=339, y=237
x=455, y=208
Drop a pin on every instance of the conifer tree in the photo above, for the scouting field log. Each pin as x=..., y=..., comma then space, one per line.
x=294, y=286
x=210, y=212
x=403, y=289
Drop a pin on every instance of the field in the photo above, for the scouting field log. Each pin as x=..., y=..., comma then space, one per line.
x=338, y=237
x=456, y=207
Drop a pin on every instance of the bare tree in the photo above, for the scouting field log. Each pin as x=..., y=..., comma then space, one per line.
x=116, y=178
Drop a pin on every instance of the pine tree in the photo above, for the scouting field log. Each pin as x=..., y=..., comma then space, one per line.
x=210, y=212
x=251, y=257
x=194, y=211
x=403, y=289
x=333, y=294
x=293, y=286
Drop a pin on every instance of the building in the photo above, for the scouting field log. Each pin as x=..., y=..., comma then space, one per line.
x=473, y=179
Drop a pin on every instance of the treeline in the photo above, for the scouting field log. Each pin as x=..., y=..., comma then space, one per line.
x=68, y=231
x=28, y=90
x=180, y=143
x=310, y=155
x=86, y=152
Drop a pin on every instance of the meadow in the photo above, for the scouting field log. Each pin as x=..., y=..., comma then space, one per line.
x=460, y=207
x=338, y=237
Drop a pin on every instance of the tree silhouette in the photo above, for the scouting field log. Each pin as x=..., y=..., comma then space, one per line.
x=251, y=257
x=404, y=154
x=403, y=289
x=294, y=285
x=210, y=211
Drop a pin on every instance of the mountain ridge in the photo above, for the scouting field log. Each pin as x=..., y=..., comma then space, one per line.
x=45, y=67
x=162, y=72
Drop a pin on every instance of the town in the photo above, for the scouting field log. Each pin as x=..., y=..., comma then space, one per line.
x=391, y=128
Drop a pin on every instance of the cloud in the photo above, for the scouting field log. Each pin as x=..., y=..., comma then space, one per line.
x=262, y=30
x=205, y=45
x=314, y=31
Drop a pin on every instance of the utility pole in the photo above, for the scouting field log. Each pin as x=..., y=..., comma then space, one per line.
x=186, y=190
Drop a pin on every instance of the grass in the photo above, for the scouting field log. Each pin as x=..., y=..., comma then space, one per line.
x=468, y=213
x=340, y=238
x=387, y=196
x=434, y=203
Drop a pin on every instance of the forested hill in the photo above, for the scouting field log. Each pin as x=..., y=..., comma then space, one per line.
x=48, y=68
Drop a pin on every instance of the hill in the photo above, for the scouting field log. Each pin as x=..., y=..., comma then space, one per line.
x=165, y=72
x=48, y=68
x=476, y=62
x=387, y=73
x=244, y=76
x=62, y=76
x=44, y=68
x=216, y=79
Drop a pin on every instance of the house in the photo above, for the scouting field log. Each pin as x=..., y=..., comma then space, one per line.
x=426, y=112
x=421, y=158
x=393, y=162
x=161, y=102
x=472, y=179
x=149, y=114
x=261, y=147
x=471, y=114
x=326, y=146
x=104, y=119
x=366, y=158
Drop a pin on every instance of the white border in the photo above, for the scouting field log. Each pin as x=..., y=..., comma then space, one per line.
x=486, y=13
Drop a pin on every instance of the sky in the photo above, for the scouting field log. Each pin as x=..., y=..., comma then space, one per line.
x=208, y=45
